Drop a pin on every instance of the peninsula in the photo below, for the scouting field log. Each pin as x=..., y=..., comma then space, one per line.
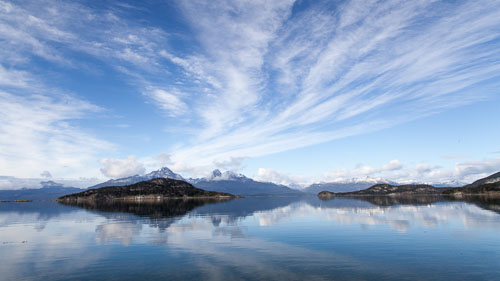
x=489, y=186
x=154, y=189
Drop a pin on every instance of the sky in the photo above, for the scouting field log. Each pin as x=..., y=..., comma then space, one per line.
x=292, y=92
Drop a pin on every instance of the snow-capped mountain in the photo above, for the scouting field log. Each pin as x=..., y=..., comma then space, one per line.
x=451, y=183
x=161, y=173
x=164, y=173
x=217, y=175
x=239, y=184
x=228, y=181
x=348, y=185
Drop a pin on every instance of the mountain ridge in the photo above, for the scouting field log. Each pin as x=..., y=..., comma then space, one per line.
x=50, y=190
x=239, y=184
x=353, y=184
x=489, y=186
x=486, y=180
x=163, y=172
x=154, y=189
x=228, y=181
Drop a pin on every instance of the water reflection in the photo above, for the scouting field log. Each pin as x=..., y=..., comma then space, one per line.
x=253, y=238
x=152, y=209
x=225, y=218
x=491, y=203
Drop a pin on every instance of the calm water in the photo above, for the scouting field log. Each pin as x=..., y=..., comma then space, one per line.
x=253, y=239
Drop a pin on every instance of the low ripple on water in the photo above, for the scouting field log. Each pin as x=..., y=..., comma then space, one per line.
x=252, y=239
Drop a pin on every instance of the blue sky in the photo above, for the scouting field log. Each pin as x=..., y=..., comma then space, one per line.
x=283, y=91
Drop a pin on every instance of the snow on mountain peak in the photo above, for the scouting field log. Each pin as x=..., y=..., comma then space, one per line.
x=164, y=173
x=362, y=180
x=161, y=173
x=217, y=175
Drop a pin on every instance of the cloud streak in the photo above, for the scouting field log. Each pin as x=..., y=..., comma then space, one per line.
x=256, y=77
x=36, y=134
x=346, y=73
x=119, y=168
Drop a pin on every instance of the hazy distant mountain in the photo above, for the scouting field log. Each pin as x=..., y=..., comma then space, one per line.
x=161, y=173
x=234, y=183
x=489, y=186
x=387, y=190
x=347, y=186
x=486, y=186
x=451, y=183
x=50, y=191
x=489, y=179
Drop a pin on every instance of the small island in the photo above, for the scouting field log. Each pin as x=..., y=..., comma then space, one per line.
x=151, y=190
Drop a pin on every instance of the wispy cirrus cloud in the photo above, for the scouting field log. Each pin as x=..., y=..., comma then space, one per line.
x=36, y=134
x=263, y=77
x=169, y=102
x=38, y=128
x=361, y=68
x=119, y=168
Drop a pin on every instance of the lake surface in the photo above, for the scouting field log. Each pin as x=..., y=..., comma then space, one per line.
x=266, y=238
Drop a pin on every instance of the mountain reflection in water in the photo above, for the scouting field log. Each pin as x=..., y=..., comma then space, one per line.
x=254, y=238
x=150, y=208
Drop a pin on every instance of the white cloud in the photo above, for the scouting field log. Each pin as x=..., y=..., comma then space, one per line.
x=271, y=175
x=470, y=169
x=162, y=159
x=46, y=174
x=169, y=102
x=372, y=71
x=36, y=134
x=465, y=172
x=461, y=173
x=260, y=80
x=119, y=168
x=363, y=171
x=16, y=78
x=393, y=165
x=453, y=156
x=233, y=163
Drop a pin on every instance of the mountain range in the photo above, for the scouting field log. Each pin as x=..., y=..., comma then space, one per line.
x=161, y=173
x=234, y=183
x=229, y=182
x=347, y=186
x=50, y=190
x=488, y=186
